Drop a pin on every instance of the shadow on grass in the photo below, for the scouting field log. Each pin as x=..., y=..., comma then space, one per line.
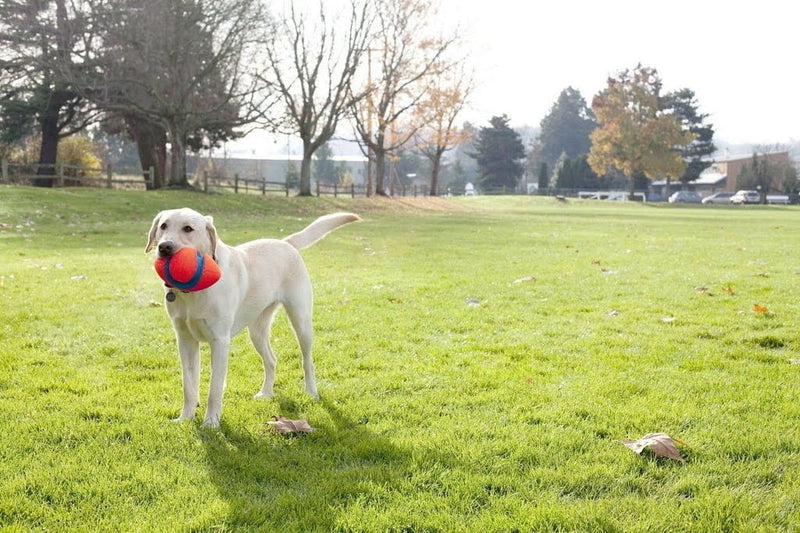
x=302, y=482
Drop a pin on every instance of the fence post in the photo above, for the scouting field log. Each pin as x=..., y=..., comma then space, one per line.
x=263, y=186
x=60, y=170
x=317, y=189
x=152, y=176
x=109, y=175
x=236, y=183
x=352, y=190
x=335, y=190
x=4, y=168
x=205, y=181
x=286, y=186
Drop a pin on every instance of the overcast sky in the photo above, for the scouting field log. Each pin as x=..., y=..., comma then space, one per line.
x=740, y=59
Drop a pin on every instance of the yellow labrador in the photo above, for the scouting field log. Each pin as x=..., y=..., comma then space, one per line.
x=257, y=278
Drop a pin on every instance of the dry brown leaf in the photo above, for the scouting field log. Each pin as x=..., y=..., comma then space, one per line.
x=285, y=426
x=760, y=308
x=661, y=444
x=730, y=290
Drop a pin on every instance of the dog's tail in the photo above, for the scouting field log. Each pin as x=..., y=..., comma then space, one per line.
x=319, y=228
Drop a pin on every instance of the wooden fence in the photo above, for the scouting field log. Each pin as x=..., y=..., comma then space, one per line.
x=61, y=175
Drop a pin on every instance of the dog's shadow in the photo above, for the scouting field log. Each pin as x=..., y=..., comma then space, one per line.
x=302, y=482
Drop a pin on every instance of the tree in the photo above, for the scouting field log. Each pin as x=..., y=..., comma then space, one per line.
x=499, y=152
x=437, y=115
x=176, y=71
x=766, y=176
x=697, y=154
x=409, y=57
x=566, y=128
x=576, y=174
x=544, y=178
x=310, y=66
x=324, y=167
x=38, y=40
x=634, y=134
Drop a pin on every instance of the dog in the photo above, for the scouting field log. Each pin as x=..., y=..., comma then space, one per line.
x=258, y=277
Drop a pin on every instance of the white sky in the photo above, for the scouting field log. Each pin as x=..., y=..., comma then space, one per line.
x=739, y=59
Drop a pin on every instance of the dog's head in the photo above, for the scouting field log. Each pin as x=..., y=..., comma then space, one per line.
x=177, y=228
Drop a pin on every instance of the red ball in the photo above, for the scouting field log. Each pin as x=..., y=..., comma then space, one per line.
x=188, y=270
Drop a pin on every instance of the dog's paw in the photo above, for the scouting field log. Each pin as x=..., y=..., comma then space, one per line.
x=261, y=395
x=210, y=423
x=181, y=419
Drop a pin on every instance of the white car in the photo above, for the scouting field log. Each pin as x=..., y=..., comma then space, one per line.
x=746, y=197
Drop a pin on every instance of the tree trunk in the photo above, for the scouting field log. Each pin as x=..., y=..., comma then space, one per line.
x=150, y=141
x=177, y=177
x=305, y=172
x=436, y=164
x=631, y=187
x=49, y=149
x=380, y=173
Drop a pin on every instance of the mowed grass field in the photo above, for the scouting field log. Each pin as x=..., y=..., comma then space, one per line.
x=478, y=360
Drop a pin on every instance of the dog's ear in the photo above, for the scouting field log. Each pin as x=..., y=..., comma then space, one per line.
x=212, y=235
x=151, y=237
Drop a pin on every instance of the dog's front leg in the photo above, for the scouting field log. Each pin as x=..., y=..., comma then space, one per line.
x=189, y=350
x=219, y=370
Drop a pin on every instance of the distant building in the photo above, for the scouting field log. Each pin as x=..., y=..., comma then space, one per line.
x=720, y=176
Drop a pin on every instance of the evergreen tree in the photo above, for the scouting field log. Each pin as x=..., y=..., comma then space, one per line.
x=566, y=128
x=697, y=153
x=324, y=167
x=544, y=179
x=499, y=152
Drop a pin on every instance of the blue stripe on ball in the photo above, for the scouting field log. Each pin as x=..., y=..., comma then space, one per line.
x=198, y=273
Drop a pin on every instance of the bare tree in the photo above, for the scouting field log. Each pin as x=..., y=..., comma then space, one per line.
x=36, y=40
x=409, y=57
x=437, y=115
x=174, y=69
x=310, y=67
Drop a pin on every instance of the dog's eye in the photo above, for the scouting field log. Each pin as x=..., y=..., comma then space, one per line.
x=188, y=229
x=164, y=226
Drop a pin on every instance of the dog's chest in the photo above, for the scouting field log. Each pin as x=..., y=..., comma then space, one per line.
x=196, y=321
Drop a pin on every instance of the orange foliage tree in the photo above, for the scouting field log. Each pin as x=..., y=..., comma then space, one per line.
x=634, y=134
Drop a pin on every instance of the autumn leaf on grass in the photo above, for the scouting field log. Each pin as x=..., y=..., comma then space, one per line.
x=661, y=444
x=730, y=290
x=286, y=426
x=758, y=308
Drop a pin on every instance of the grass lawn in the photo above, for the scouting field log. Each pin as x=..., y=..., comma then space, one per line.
x=478, y=360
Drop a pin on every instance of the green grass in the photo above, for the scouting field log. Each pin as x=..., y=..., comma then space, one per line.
x=454, y=397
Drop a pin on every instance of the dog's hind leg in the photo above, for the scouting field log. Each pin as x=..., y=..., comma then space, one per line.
x=300, y=317
x=259, y=336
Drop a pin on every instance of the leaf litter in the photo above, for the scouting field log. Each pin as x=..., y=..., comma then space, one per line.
x=661, y=444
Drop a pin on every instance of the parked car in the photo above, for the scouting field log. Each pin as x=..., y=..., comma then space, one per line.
x=746, y=197
x=718, y=198
x=685, y=197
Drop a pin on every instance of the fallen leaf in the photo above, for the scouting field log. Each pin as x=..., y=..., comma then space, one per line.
x=702, y=289
x=667, y=319
x=794, y=361
x=77, y=278
x=661, y=444
x=286, y=426
x=613, y=312
x=757, y=308
x=730, y=290
x=154, y=303
x=596, y=262
x=472, y=302
x=526, y=279
x=608, y=272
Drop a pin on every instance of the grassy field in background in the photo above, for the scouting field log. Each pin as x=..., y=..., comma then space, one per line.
x=478, y=360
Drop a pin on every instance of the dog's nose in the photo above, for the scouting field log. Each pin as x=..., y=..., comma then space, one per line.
x=166, y=248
